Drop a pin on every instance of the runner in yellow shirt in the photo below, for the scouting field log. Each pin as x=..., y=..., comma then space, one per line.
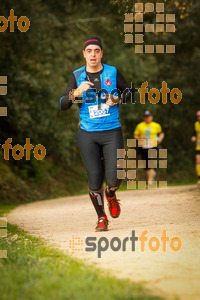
x=149, y=134
x=196, y=138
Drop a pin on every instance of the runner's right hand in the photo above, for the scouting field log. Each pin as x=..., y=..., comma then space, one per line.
x=84, y=86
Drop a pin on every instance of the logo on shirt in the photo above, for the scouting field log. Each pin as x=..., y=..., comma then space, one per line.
x=96, y=79
x=108, y=82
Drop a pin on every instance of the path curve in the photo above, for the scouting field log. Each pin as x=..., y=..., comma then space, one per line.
x=175, y=209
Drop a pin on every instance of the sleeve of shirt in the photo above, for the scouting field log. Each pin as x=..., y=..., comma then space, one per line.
x=127, y=93
x=64, y=102
x=137, y=130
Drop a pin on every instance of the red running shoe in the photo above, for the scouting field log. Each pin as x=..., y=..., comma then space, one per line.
x=113, y=205
x=102, y=224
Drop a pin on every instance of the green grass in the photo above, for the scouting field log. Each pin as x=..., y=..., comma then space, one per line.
x=5, y=208
x=33, y=271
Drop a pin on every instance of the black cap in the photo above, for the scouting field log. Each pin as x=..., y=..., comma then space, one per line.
x=93, y=40
x=147, y=113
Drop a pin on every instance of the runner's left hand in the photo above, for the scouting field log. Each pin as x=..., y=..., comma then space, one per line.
x=109, y=99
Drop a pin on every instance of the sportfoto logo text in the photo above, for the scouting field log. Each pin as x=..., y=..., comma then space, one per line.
x=23, y=22
x=18, y=151
x=133, y=243
x=153, y=95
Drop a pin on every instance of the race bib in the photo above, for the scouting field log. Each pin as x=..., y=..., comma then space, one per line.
x=97, y=113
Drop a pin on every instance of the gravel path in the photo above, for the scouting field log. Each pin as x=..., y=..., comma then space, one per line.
x=175, y=209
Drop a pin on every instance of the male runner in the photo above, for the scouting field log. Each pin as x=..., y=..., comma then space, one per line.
x=150, y=134
x=196, y=138
x=99, y=129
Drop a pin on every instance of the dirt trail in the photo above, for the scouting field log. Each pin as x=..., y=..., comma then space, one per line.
x=175, y=209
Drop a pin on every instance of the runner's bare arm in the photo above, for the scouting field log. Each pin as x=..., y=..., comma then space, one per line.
x=193, y=138
x=161, y=137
